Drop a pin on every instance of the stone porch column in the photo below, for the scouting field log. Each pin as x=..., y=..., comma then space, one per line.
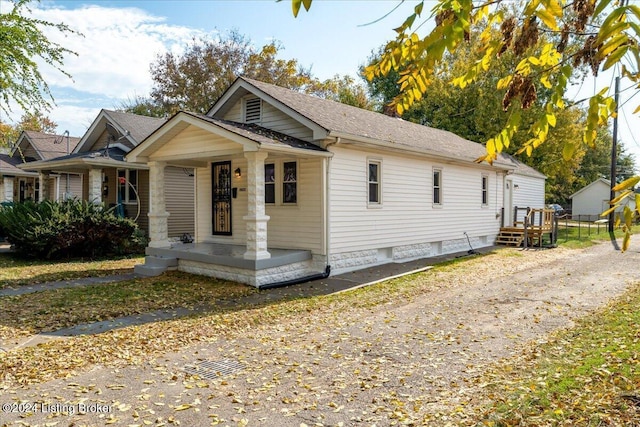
x=6, y=193
x=43, y=176
x=95, y=186
x=256, y=219
x=158, y=215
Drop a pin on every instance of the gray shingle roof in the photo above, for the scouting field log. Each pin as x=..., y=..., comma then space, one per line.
x=139, y=127
x=258, y=134
x=519, y=167
x=49, y=145
x=345, y=119
x=114, y=153
x=8, y=165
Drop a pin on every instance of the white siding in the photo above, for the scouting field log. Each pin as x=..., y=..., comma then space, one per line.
x=274, y=119
x=528, y=192
x=299, y=226
x=289, y=227
x=53, y=188
x=592, y=201
x=75, y=186
x=406, y=215
x=179, y=196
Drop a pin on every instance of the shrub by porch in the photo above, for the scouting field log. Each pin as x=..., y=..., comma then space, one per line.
x=67, y=229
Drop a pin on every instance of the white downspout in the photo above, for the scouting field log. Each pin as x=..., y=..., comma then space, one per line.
x=327, y=194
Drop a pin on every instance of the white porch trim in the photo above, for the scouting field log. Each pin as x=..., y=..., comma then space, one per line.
x=7, y=190
x=158, y=215
x=43, y=177
x=95, y=186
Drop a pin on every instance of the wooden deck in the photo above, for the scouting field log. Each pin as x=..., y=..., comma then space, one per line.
x=531, y=230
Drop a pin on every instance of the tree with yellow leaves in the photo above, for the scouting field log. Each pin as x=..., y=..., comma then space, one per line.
x=552, y=41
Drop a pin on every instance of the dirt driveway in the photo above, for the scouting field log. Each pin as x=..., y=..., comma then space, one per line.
x=404, y=361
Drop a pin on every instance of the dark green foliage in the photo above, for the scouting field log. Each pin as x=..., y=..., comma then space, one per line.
x=66, y=229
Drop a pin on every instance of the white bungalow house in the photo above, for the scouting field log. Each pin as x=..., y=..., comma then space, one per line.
x=98, y=159
x=290, y=186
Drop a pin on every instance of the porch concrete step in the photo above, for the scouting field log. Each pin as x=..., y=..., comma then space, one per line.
x=160, y=261
x=155, y=265
x=148, y=271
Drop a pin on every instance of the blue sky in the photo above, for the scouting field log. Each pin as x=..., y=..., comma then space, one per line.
x=121, y=39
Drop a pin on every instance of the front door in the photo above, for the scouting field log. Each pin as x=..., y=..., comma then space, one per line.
x=507, y=221
x=22, y=190
x=221, y=198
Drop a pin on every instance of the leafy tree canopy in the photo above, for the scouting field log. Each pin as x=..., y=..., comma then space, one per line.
x=22, y=42
x=550, y=40
x=474, y=112
x=195, y=79
x=29, y=121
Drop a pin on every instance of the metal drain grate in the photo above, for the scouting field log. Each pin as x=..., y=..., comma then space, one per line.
x=212, y=370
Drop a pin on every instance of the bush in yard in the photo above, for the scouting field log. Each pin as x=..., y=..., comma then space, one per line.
x=66, y=229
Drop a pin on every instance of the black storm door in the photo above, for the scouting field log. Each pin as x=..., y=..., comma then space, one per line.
x=221, y=198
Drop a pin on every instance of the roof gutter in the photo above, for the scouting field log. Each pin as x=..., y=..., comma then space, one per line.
x=294, y=150
x=377, y=143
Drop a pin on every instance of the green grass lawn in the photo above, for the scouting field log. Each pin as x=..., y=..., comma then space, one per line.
x=586, y=376
x=18, y=272
x=51, y=310
x=584, y=236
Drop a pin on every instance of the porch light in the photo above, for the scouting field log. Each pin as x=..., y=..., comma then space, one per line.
x=238, y=173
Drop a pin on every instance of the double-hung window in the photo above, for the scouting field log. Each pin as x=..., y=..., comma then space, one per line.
x=269, y=183
x=289, y=183
x=437, y=187
x=281, y=183
x=485, y=190
x=374, y=169
x=127, y=185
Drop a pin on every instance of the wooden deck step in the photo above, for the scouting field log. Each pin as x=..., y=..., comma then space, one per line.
x=510, y=236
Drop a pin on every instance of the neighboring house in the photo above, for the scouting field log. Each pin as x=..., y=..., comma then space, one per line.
x=591, y=200
x=290, y=186
x=18, y=182
x=99, y=159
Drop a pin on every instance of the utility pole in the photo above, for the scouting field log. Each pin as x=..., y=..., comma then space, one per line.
x=614, y=154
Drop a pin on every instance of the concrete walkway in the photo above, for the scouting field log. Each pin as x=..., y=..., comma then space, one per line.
x=73, y=283
x=330, y=285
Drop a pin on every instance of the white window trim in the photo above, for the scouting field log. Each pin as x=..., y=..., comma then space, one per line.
x=433, y=187
x=279, y=182
x=378, y=204
x=484, y=190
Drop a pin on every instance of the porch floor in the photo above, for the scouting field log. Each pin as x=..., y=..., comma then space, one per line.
x=229, y=255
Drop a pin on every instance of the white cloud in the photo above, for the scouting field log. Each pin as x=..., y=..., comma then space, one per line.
x=118, y=46
x=114, y=54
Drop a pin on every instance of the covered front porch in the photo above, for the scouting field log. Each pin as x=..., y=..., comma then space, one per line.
x=260, y=202
x=228, y=262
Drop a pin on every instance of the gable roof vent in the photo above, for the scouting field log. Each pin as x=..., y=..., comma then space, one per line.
x=252, y=110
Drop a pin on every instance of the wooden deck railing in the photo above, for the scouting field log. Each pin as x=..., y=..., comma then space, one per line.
x=529, y=227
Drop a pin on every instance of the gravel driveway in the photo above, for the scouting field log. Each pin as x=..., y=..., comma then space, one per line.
x=401, y=362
